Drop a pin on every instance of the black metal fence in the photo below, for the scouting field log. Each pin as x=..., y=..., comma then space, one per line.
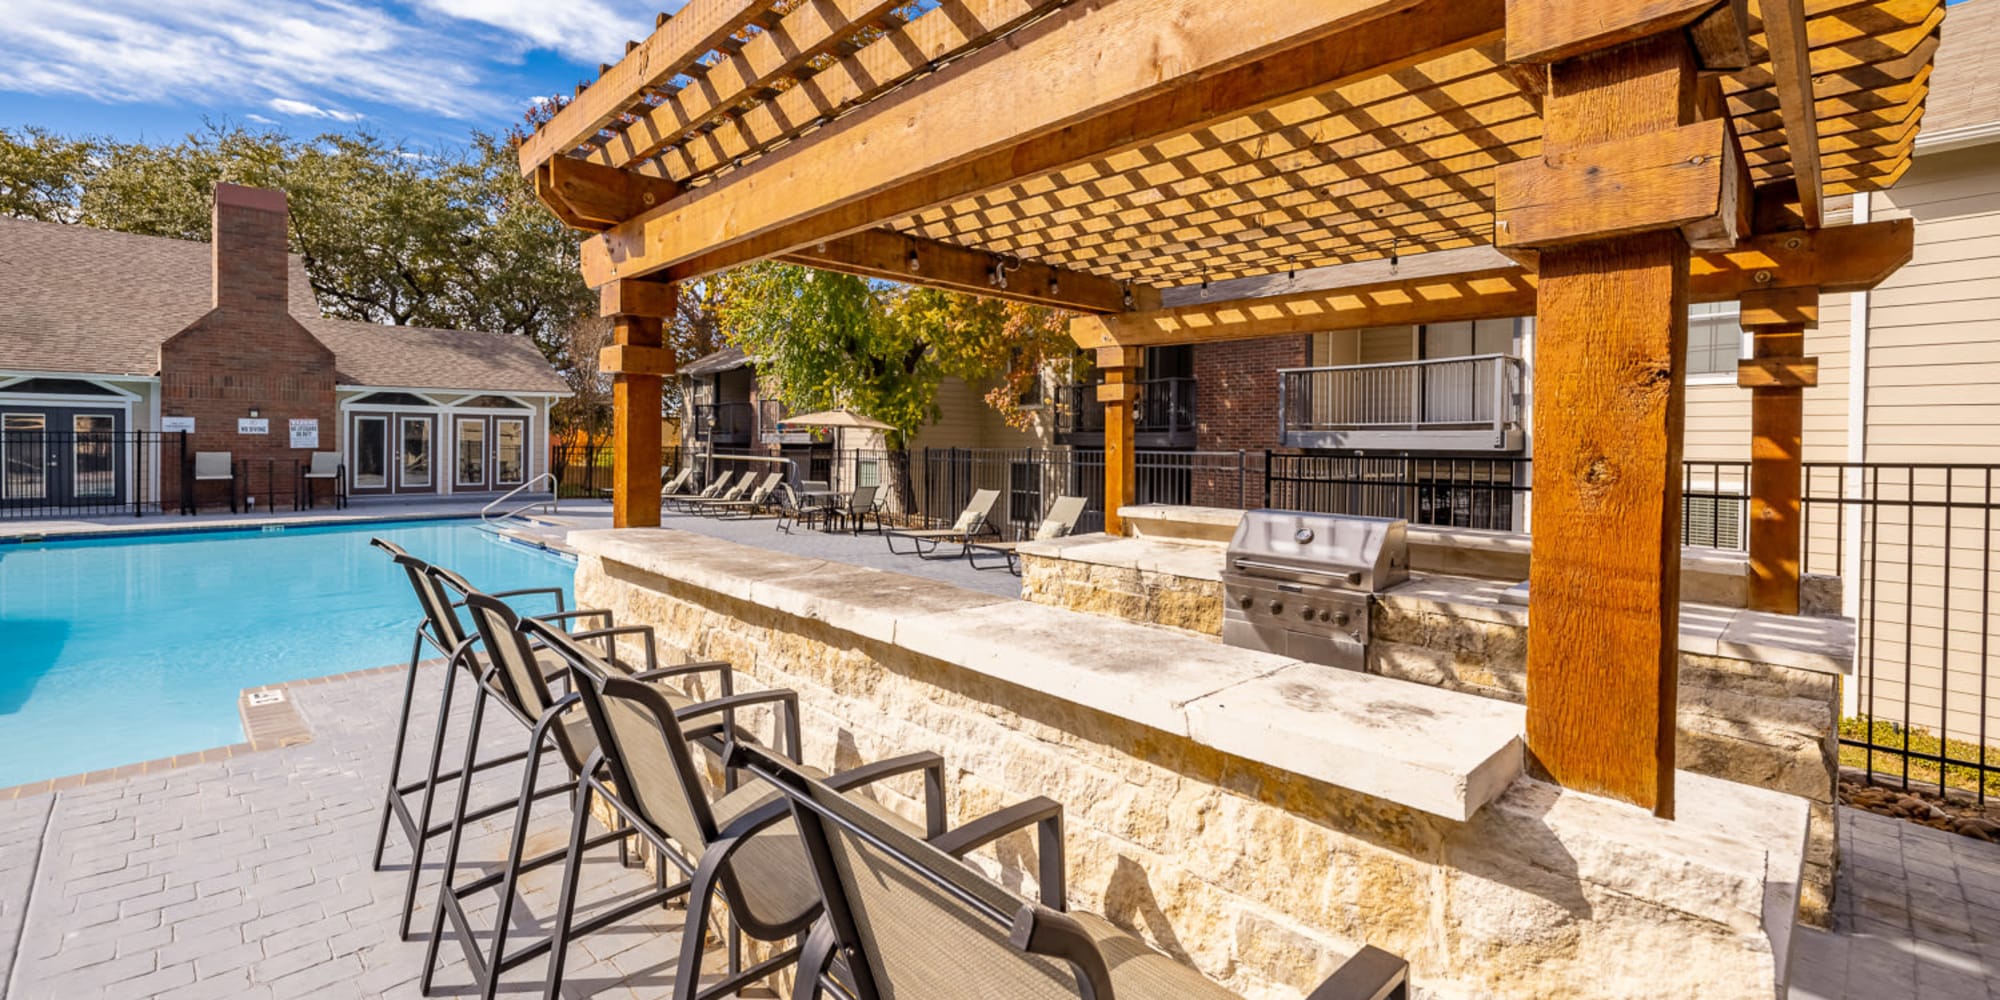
x=1915, y=548
x=88, y=474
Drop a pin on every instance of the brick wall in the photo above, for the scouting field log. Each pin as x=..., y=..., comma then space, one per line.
x=1236, y=406
x=248, y=353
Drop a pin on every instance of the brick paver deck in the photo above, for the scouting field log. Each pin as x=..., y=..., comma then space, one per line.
x=248, y=878
x=1917, y=915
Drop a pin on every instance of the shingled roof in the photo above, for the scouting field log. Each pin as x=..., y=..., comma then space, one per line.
x=1965, y=87
x=96, y=302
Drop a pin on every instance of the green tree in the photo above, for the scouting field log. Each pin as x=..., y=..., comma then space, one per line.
x=42, y=175
x=825, y=340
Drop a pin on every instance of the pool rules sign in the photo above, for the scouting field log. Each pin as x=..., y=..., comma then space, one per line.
x=305, y=433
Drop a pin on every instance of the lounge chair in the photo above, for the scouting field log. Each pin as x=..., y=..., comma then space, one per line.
x=912, y=921
x=442, y=631
x=325, y=467
x=973, y=522
x=763, y=496
x=1061, y=520
x=744, y=484
x=517, y=683
x=740, y=846
x=709, y=492
x=210, y=467
x=668, y=487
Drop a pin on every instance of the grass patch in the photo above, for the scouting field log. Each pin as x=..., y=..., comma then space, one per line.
x=1890, y=739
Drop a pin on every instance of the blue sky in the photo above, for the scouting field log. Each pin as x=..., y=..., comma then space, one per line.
x=425, y=72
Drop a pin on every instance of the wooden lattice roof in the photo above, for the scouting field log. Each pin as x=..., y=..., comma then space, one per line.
x=1396, y=163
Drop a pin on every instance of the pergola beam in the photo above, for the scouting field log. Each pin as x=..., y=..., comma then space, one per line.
x=1084, y=83
x=1792, y=69
x=1480, y=283
x=893, y=256
x=668, y=52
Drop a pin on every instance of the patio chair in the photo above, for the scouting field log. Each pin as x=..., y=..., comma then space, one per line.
x=440, y=629
x=709, y=492
x=516, y=680
x=740, y=847
x=911, y=921
x=210, y=467
x=792, y=508
x=325, y=467
x=857, y=507
x=669, y=487
x=973, y=522
x=1061, y=520
x=756, y=500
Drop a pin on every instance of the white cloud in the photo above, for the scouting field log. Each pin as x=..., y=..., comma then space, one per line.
x=303, y=109
x=260, y=119
x=588, y=31
x=306, y=58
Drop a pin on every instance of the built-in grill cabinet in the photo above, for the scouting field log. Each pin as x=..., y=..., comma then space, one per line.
x=1300, y=584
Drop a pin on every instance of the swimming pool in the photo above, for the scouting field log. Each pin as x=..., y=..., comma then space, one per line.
x=119, y=650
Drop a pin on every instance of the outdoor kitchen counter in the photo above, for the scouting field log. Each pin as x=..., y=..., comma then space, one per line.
x=1259, y=817
x=1443, y=752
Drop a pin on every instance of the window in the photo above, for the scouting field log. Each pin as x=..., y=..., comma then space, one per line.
x=1714, y=522
x=867, y=472
x=492, y=403
x=1715, y=341
x=96, y=468
x=393, y=399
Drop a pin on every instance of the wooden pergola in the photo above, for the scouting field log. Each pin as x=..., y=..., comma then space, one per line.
x=1597, y=164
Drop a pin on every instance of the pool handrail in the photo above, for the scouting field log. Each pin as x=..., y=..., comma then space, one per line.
x=555, y=495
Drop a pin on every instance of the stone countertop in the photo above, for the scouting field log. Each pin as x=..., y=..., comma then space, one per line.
x=1441, y=752
x=1805, y=642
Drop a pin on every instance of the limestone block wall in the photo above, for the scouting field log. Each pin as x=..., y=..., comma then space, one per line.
x=1749, y=716
x=1260, y=877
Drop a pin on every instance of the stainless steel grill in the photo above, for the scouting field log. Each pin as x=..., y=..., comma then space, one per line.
x=1299, y=584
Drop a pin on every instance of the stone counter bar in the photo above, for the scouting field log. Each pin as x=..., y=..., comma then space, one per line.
x=1759, y=693
x=1258, y=817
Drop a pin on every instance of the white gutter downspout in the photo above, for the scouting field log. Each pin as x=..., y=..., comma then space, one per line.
x=1857, y=453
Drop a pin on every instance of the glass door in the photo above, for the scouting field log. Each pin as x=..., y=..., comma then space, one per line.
x=94, y=457
x=415, y=475
x=24, y=457
x=471, y=449
x=371, y=453
x=510, y=451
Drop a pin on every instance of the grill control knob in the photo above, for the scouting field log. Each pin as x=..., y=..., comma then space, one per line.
x=1276, y=606
x=1244, y=602
x=1340, y=618
x=1325, y=615
x=1306, y=613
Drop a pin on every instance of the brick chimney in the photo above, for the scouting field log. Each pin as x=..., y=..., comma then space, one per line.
x=250, y=248
x=248, y=369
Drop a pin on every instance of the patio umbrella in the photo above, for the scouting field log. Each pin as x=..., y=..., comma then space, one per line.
x=836, y=419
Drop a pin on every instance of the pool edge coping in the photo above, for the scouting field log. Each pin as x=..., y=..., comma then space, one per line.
x=265, y=727
x=98, y=532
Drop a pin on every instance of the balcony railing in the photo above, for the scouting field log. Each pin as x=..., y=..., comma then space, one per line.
x=1449, y=404
x=1165, y=416
x=724, y=423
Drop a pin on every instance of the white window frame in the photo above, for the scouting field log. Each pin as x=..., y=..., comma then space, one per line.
x=430, y=455
x=1742, y=351
x=388, y=449
x=457, y=451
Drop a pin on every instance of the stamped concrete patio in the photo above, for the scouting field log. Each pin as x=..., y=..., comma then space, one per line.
x=249, y=878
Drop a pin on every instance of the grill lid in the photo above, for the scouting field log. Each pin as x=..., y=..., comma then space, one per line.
x=1367, y=554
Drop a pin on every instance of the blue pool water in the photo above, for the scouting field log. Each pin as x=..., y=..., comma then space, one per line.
x=114, y=651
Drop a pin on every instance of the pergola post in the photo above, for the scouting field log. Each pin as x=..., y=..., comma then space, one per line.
x=1118, y=394
x=638, y=363
x=1611, y=335
x=1777, y=375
